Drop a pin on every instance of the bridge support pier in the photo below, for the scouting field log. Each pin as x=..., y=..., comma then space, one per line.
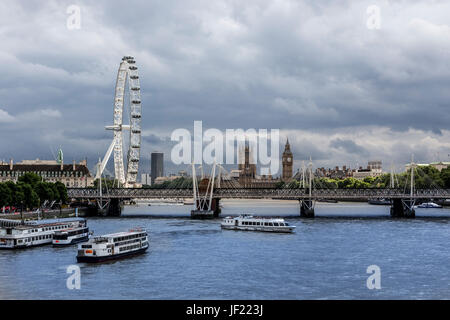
x=403, y=208
x=307, y=208
x=203, y=212
x=215, y=206
x=114, y=208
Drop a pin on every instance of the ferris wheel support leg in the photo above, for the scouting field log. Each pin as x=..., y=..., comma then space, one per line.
x=106, y=159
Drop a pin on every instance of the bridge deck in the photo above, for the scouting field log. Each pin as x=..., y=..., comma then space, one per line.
x=260, y=193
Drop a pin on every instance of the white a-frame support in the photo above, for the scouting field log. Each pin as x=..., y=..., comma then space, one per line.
x=200, y=201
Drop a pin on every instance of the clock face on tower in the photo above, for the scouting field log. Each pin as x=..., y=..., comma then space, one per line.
x=289, y=159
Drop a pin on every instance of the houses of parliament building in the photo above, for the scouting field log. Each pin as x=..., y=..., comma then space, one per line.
x=247, y=171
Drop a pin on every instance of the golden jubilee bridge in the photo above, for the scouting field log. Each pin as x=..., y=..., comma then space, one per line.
x=402, y=201
x=207, y=191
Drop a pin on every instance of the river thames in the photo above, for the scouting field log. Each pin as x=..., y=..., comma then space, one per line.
x=326, y=258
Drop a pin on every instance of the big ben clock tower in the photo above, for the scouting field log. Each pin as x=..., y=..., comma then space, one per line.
x=287, y=161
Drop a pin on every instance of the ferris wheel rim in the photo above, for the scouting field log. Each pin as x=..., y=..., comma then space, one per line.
x=127, y=71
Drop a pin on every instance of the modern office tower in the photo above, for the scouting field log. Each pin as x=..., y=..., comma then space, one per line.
x=157, y=165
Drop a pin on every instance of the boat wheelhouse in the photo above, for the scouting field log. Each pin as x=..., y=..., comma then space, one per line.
x=113, y=246
x=34, y=234
x=71, y=236
x=251, y=223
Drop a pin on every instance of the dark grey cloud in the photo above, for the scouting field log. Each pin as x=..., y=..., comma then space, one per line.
x=156, y=140
x=349, y=146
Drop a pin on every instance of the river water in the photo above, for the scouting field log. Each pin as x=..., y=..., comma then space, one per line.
x=326, y=258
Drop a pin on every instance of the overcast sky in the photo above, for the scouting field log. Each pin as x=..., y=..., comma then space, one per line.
x=343, y=93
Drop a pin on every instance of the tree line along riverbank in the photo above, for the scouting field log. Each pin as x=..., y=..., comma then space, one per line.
x=30, y=192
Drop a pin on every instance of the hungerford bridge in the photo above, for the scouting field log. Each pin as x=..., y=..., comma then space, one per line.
x=401, y=203
x=208, y=192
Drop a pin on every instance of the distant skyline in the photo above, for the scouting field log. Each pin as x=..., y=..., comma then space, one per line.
x=343, y=94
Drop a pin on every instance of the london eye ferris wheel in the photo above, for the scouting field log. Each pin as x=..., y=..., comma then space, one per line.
x=126, y=175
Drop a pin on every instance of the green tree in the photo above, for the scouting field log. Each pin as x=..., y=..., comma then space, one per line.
x=428, y=177
x=12, y=187
x=5, y=195
x=382, y=181
x=370, y=180
x=445, y=177
x=55, y=191
x=279, y=185
x=325, y=183
x=31, y=199
x=294, y=184
x=19, y=196
x=30, y=178
x=62, y=192
x=44, y=191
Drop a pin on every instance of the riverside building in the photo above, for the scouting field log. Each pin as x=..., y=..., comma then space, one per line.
x=74, y=175
x=374, y=169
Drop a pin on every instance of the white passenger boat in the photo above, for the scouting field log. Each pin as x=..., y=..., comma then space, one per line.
x=34, y=234
x=113, y=246
x=428, y=205
x=70, y=236
x=251, y=223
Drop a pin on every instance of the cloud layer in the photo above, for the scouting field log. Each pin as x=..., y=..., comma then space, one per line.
x=343, y=94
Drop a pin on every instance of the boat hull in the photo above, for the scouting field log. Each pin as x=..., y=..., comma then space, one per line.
x=95, y=259
x=273, y=229
x=429, y=207
x=74, y=241
x=25, y=246
x=202, y=214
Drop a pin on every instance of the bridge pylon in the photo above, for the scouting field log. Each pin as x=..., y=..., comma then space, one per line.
x=205, y=206
x=307, y=208
x=404, y=208
x=307, y=205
